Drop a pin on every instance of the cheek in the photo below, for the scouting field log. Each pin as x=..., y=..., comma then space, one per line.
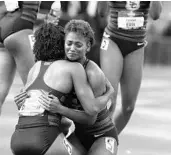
x=82, y=51
x=66, y=49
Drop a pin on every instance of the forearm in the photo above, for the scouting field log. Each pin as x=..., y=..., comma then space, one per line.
x=107, y=97
x=77, y=115
x=102, y=102
x=94, y=106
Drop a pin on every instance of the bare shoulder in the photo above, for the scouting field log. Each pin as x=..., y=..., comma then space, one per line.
x=94, y=71
x=66, y=64
x=74, y=67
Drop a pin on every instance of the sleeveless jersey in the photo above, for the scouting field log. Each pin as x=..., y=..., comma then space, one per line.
x=31, y=106
x=128, y=20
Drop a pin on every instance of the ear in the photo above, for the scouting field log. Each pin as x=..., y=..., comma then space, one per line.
x=88, y=47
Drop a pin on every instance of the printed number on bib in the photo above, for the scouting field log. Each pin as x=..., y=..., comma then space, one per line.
x=104, y=44
x=67, y=146
x=110, y=144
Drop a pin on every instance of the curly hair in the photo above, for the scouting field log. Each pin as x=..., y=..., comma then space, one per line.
x=80, y=27
x=49, y=42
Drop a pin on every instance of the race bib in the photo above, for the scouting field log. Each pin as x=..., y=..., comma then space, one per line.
x=31, y=106
x=67, y=146
x=104, y=44
x=110, y=144
x=130, y=20
x=11, y=5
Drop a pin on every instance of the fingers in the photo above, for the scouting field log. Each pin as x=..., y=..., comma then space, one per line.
x=52, y=96
x=19, y=105
x=20, y=99
x=20, y=94
x=45, y=98
x=19, y=102
x=55, y=99
x=44, y=104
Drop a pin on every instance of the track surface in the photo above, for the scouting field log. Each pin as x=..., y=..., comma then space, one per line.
x=149, y=130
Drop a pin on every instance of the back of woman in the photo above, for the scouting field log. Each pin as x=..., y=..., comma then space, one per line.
x=37, y=128
x=57, y=75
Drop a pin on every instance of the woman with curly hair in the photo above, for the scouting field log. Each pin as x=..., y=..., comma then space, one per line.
x=37, y=129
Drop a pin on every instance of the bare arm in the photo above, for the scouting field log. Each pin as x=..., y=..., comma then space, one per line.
x=91, y=105
x=86, y=97
x=84, y=94
x=77, y=116
x=52, y=104
x=155, y=9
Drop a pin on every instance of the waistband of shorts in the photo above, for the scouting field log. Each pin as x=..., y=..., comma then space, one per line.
x=37, y=121
x=120, y=36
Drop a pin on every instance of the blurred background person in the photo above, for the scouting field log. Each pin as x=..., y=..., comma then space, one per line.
x=122, y=51
x=16, y=25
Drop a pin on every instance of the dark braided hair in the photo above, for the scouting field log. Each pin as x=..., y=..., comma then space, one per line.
x=49, y=42
x=82, y=28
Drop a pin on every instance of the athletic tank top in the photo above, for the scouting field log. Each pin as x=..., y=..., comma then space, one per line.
x=128, y=20
x=31, y=106
x=103, y=122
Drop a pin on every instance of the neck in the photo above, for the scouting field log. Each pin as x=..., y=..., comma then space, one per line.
x=82, y=61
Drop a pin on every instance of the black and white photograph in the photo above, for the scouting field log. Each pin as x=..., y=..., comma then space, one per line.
x=85, y=77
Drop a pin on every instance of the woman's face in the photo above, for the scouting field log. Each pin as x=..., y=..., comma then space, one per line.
x=76, y=46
